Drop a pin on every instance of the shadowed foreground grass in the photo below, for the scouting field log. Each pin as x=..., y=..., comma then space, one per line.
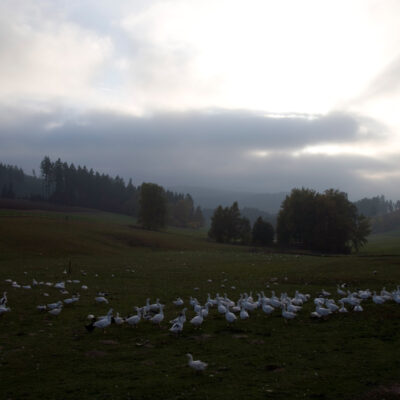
x=348, y=356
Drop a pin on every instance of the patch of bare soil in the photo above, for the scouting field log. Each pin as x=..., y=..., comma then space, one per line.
x=95, y=354
x=390, y=392
x=108, y=341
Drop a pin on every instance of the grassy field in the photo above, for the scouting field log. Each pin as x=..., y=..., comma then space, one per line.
x=353, y=356
x=383, y=244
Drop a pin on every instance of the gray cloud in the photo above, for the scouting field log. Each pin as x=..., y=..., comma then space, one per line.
x=210, y=148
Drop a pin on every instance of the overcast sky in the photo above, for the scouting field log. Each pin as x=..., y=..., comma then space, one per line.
x=253, y=95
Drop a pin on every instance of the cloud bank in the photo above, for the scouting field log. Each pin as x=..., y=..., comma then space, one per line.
x=236, y=150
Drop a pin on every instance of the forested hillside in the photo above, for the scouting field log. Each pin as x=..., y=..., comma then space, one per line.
x=66, y=184
x=378, y=205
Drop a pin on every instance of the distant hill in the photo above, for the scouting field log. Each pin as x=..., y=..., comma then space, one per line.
x=212, y=198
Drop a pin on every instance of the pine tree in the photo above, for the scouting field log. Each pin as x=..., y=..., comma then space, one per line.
x=153, y=206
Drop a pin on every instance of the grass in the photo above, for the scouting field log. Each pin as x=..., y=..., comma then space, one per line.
x=384, y=243
x=347, y=356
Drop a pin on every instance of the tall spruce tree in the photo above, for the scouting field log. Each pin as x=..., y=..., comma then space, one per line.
x=153, y=206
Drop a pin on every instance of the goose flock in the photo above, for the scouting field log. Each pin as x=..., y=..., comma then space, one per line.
x=288, y=307
x=242, y=308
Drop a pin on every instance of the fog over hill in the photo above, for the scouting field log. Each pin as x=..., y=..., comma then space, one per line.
x=212, y=198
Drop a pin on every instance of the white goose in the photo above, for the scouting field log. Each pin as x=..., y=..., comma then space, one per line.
x=248, y=302
x=325, y=293
x=322, y=311
x=155, y=307
x=177, y=327
x=158, y=318
x=243, y=313
x=221, y=307
x=101, y=299
x=385, y=294
x=3, y=300
x=229, y=316
x=197, y=320
x=53, y=306
x=319, y=301
x=274, y=301
x=178, y=302
x=181, y=318
x=340, y=291
x=210, y=301
x=134, y=319
x=331, y=305
x=204, y=311
x=268, y=309
x=364, y=294
x=196, y=364
x=377, y=299
x=287, y=314
x=60, y=285
x=314, y=314
x=146, y=310
x=72, y=299
x=291, y=307
x=342, y=309
x=4, y=309
x=105, y=322
x=197, y=308
x=55, y=311
x=118, y=320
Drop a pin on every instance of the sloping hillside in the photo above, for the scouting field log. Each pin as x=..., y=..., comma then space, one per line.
x=37, y=233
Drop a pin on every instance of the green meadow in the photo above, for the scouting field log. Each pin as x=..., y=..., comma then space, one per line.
x=345, y=356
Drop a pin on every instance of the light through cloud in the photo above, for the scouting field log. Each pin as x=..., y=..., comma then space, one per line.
x=336, y=149
x=256, y=84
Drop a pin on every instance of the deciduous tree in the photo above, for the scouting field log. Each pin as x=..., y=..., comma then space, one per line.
x=326, y=222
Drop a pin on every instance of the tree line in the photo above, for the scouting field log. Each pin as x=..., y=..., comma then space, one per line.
x=229, y=226
x=66, y=184
x=376, y=206
x=326, y=222
x=70, y=185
